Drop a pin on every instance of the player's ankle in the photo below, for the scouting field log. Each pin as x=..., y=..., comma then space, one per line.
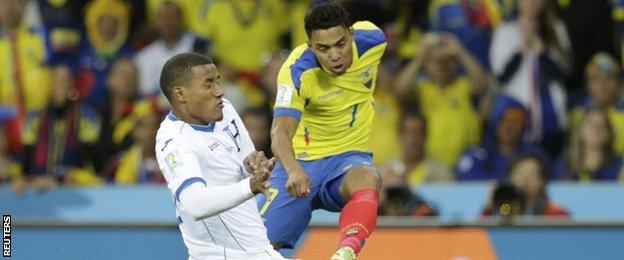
x=353, y=243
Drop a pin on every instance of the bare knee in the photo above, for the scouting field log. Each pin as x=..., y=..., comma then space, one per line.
x=360, y=178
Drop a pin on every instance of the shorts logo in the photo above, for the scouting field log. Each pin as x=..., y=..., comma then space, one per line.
x=173, y=160
x=284, y=95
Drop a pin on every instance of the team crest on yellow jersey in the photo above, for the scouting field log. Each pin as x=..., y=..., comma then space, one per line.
x=367, y=77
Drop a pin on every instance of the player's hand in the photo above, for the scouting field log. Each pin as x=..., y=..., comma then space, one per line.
x=259, y=182
x=452, y=45
x=298, y=184
x=253, y=160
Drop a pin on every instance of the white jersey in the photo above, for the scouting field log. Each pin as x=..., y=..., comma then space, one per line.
x=213, y=154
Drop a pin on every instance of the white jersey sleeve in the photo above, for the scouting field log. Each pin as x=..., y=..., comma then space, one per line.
x=180, y=165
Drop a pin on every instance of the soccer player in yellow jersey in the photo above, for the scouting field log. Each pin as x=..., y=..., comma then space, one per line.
x=322, y=121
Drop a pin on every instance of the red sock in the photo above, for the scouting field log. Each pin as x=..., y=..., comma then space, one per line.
x=358, y=218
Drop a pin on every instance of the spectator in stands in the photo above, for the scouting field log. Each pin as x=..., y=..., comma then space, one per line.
x=384, y=138
x=107, y=25
x=401, y=201
x=173, y=39
x=405, y=32
x=591, y=30
x=472, y=21
x=444, y=95
x=503, y=140
x=268, y=77
x=241, y=32
x=9, y=166
x=62, y=29
x=529, y=174
x=24, y=80
x=258, y=123
x=116, y=127
x=137, y=164
x=591, y=156
x=59, y=139
x=240, y=92
x=529, y=56
x=415, y=166
x=603, y=85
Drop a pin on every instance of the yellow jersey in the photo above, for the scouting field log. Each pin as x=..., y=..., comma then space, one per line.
x=335, y=112
x=453, y=124
x=244, y=32
x=27, y=51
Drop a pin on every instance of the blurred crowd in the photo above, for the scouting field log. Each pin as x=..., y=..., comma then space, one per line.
x=520, y=92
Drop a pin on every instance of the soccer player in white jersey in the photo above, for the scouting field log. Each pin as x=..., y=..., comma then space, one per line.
x=211, y=166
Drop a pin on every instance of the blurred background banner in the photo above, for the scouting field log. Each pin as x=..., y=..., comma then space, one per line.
x=139, y=222
x=529, y=240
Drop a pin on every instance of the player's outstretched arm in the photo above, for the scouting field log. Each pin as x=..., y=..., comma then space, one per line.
x=202, y=202
x=282, y=132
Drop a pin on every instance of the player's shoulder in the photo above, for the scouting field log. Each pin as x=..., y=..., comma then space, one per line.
x=300, y=60
x=367, y=36
x=171, y=134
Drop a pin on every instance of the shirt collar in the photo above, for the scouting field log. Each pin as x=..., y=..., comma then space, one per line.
x=208, y=128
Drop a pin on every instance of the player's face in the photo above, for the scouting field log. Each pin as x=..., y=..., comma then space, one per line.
x=333, y=48
x=204, y=97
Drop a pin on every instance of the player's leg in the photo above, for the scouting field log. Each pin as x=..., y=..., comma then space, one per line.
x=353, y=188
x=358, y=218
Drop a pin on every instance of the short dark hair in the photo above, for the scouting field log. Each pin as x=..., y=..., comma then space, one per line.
x=544, y=172
x=326, y=15
x=177, y=69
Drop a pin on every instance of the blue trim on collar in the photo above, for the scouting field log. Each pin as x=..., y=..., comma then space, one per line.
x=172, y=117
x=209, y=128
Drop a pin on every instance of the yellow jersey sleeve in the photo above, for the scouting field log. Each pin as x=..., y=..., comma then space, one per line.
x=291, y=99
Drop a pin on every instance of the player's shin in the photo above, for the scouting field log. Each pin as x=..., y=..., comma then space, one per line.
x=358, y=218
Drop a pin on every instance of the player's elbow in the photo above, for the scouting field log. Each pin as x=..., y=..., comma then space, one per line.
x=195, y=212
x=191, y=204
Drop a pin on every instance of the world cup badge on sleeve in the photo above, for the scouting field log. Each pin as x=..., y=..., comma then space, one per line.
x=284, y=95
x=173, y=160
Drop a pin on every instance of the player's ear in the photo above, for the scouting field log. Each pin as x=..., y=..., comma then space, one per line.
x=178, y=94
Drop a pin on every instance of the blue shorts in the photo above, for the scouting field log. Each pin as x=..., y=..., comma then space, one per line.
x=286, y=217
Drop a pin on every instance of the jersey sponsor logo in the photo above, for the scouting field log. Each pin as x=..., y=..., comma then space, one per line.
x=284, y=95
x=331, y=94
x=173, y=160
x=213, y=146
